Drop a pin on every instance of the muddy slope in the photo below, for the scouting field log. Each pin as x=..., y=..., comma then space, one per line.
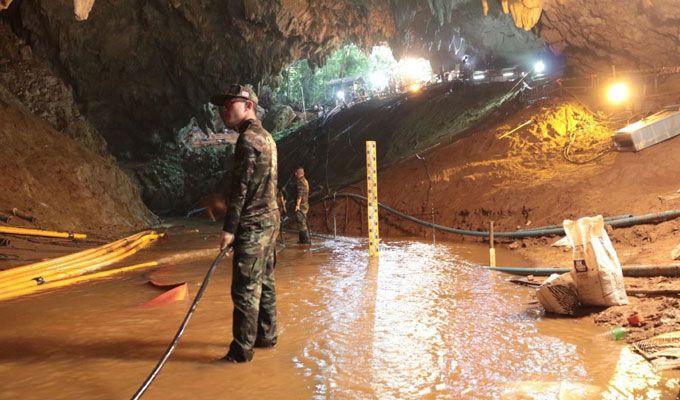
x=522, y=179
x=332, y=149
x=61, y=182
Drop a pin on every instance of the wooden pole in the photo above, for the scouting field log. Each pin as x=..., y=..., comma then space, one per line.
x=372, y=194
x=434, y=237
x=492, y=250
x=346, y=216
x=335, y=222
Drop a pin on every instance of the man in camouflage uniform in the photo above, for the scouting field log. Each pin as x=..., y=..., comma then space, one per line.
x=251, y=225
x=302, y=205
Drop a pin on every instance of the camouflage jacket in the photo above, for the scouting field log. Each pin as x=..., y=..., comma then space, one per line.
x=302, y=193
x=253, y=182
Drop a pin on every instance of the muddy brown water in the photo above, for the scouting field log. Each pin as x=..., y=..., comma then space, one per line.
x=422, y=323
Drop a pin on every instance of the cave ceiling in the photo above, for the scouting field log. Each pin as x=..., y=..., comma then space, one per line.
x=141, y=69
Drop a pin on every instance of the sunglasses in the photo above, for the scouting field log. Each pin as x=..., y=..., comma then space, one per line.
x=232, y=102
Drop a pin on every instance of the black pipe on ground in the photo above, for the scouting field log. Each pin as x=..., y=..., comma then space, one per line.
x=634, y=271
x=625, y=221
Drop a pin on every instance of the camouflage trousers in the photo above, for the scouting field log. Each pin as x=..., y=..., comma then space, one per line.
x=253, y=288
x=301, y=219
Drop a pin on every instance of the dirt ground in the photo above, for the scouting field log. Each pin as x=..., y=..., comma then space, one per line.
x=659, y=314
x=62, y=184
x=517, y=175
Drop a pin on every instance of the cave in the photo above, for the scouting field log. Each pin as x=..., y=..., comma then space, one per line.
x=443, y=179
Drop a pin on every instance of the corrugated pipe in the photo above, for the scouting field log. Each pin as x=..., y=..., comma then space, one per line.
x=72, y=268
x=536, y=232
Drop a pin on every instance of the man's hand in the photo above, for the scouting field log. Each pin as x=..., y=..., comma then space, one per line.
x=297, y=208
x=226, y=240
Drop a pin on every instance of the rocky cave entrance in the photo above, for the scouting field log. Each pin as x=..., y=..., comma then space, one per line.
x=503, y=115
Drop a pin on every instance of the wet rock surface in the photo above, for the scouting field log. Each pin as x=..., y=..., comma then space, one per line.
x=62, y=183
x=175, y=182
x=279, y=118
x=40, y=90
x=594, y=35
x=141, y=69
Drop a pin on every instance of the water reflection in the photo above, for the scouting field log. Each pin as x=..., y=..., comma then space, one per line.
x=635, y=378
x=421, y=323
x=429, y=325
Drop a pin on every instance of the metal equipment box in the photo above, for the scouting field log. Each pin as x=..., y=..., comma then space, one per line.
x=648, y=131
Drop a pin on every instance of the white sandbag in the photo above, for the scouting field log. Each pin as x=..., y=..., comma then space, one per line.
x=596, y=269
x=564, y=242
x=558, y=294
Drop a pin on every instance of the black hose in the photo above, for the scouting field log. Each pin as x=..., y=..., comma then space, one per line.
x=536, y=232
x=149, y=379
x=636, y=271
x=606, y=219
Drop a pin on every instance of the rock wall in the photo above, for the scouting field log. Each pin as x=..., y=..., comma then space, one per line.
x=631, y=34
x=145, y=68
x=443, y=31
x=176, y=181
x=141, y=70
x=61, y=182
x=40, y=90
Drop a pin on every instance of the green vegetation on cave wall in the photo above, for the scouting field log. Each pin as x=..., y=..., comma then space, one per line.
x=304, y=77
x=404, y=125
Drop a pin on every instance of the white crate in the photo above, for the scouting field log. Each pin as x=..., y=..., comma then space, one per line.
x=648, y=131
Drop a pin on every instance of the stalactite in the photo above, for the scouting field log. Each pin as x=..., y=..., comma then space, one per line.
x=82, y=9
x=525, y=13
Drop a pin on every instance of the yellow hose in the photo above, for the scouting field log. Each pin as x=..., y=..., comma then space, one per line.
x=31, y=271
x=98, y=253
x=82, y=255
x=37, y=232
x=55, y=276
x=71, y=281
x=28, y=279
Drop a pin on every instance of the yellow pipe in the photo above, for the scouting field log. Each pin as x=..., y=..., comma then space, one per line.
x=70, y=257
x=77, y=255
x=28, y=280
x=37, y=232
x=93, y=257
x=60, y=275
x=32, y=271
x=67, y=260
x=71, y=281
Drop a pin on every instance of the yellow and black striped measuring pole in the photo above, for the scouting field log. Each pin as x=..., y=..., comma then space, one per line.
x=372, y=191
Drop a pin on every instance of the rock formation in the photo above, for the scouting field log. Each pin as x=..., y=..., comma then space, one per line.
x=137, y=72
